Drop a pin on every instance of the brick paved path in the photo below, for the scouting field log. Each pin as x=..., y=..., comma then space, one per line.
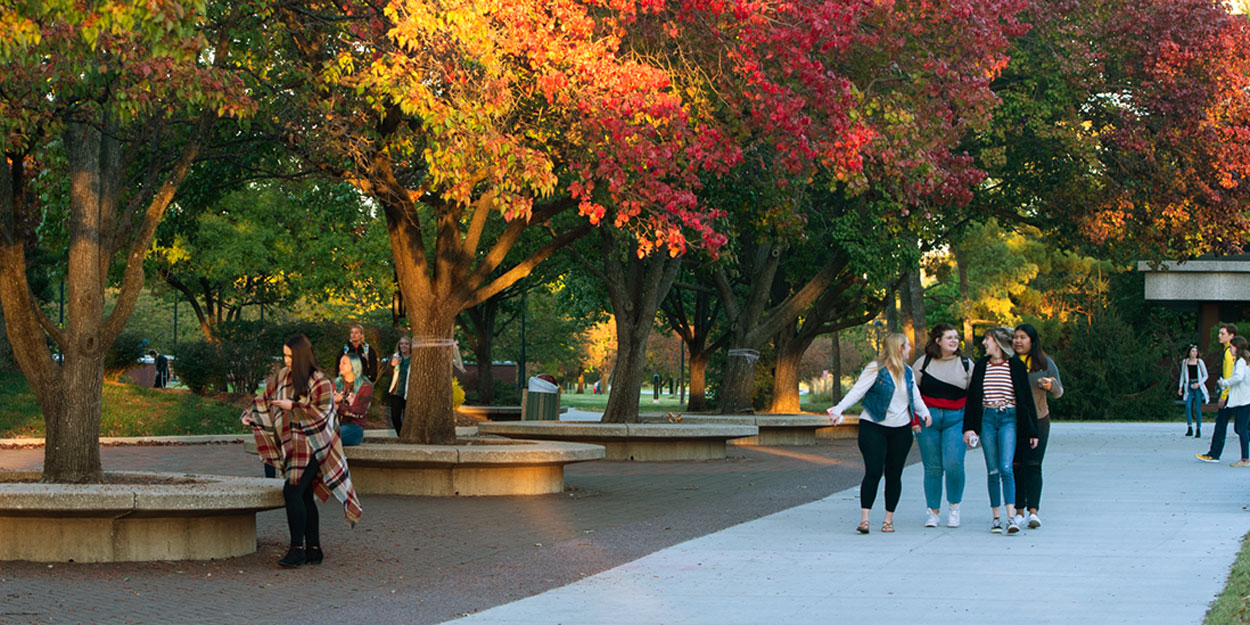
x=423, y=559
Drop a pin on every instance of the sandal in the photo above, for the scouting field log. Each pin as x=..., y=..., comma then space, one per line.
x=887, y=528
x=862, y=528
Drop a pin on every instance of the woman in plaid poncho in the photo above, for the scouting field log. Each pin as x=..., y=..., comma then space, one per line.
x=296, y=433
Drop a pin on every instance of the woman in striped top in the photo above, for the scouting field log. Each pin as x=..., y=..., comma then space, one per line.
x=999, y=410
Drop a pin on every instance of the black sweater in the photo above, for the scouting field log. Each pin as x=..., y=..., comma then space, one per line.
x=1026, y=412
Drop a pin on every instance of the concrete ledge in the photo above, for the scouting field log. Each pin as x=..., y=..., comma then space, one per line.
x=848, y=429
x=198, y=517
x=645, y=442
x=193, y=439
x=383, y=466
x=777, y=430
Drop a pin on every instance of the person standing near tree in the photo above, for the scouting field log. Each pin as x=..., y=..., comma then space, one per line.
x=353, y=393
x=890, y=396
x=398, y=391
x=1226, y=334
x=162, y=369
x=1000, y=410
x=1044, y=381
x=368, y=356
x=293, y=422
x=943, y=374
x=1193, y=390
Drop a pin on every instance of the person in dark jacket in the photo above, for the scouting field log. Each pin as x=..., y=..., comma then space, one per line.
x=368, y=356
x=1000, y=410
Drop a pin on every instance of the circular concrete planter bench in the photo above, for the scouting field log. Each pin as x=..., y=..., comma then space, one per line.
x=774, y=429
x=646, y=442
x=384, y=466
x=196, y=517
x=848, y=429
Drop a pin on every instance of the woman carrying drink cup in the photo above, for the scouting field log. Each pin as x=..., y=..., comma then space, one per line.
x=1044, y=381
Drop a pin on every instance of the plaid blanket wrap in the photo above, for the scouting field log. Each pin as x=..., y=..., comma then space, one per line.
x=287, y=439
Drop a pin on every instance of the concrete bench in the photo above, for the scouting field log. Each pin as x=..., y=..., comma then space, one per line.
x=496, y=413
x=632, y=441
x=191, y=517
x=848, y=429
x=774, y=429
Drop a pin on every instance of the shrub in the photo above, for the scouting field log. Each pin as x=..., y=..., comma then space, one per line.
x=198, y=367
x=123, y=354
x=1111, y=371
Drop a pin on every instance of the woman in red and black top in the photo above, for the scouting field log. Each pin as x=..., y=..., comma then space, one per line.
x=944, y=374
x=1000, y=409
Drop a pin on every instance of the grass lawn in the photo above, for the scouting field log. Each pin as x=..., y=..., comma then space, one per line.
x=1233, y=605
x=128, y=410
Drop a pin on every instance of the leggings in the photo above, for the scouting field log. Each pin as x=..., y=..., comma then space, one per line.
x=885, y=451
x=301, y=509
x=397, y=412
x=1027, y=467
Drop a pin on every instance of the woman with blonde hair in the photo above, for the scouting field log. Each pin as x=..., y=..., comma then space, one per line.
x=999, y=411
x=353, y=392
x=890, y=396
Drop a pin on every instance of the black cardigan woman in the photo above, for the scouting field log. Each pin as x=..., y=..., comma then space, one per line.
x=1000, y=410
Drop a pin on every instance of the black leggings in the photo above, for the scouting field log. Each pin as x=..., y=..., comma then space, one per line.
x=885, y=451
x=301, y=509
x=397, y=412
x=1027, y=467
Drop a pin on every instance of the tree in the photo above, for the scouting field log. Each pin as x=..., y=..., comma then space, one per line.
x=1124, y=124
x=114, y=98
x=452, y=113
x=271, y=244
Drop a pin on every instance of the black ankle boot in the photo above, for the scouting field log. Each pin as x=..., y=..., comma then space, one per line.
x=1189, y=431
x=314, y=554
x=294, y=557
x=1198, y=433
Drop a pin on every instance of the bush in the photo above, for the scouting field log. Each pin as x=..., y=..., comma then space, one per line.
x=197, y=365
x=123, y=354
x=1111, y=371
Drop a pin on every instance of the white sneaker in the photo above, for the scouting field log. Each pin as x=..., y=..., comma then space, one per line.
x=930, y=520
x=1034, y=522
x=952, y=520
x=1018, y=520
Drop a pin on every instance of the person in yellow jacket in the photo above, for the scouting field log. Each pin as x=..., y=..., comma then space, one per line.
x=1226, y=333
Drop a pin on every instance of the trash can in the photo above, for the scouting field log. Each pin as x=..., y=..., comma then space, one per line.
x=541, y=401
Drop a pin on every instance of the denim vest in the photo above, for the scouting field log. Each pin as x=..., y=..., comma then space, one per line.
x=876, y=401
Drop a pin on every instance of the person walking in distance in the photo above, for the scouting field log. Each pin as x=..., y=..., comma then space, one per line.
x=943, y=374
x=1044, y=382
x=1193, y=390
x=1000, y=409
x=890, y=396
x=1226, y=334
x=1238, y=386
x=368, y=356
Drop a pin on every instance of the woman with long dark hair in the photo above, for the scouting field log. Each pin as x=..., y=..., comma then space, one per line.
x=293, y=421
x=1193, y=390
x=999, y=412
x=1238, y=385
x=1044, y=382
x=943, y=375
x=890, y=396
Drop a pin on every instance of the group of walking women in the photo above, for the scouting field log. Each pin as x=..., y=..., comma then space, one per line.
x=303, y=419
x=951, y=404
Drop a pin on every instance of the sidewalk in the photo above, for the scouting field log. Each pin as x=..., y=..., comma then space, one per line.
x=1134, y=531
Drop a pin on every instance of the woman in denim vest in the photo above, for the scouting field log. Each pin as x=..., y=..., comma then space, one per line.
x=999, y=411
x=889, y=393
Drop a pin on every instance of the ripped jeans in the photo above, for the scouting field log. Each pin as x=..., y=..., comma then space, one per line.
x=998, y=438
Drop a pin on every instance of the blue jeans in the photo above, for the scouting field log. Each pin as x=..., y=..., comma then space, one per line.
x=1241, y=425
x=1193, y=407
x=942, y=451
x=998, y=438
x=351, y=434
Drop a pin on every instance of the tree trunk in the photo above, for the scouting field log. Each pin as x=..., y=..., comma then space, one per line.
x=962, y=268
x=920, y=327
x=906, y=317
x=481, y=332
x=635, y=289
x=835, y=370
x=790, y=350
x=891, y=310
x=698, y=381
x=428, y=414
x=738, y=387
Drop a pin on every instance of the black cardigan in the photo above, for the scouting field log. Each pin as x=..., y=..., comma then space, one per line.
x=1026, y=411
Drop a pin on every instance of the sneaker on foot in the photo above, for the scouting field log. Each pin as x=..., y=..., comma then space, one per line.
x=1205, y=458
x=1034, y=522
x=1018, y=520
x=1012, y=526
x=997, y=526
x=931, y=519
x=1241, y=463
x=952, y=519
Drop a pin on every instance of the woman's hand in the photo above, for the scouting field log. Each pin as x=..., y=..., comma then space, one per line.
x=1032, y=443
x=246, y=418
x=968, y=434
x=338, y=397
x=928, y=421
x=1194, y=385
x=284, y=404
x=915, y=429
x=834, y=417
x=395, y=360
x=1045, y=383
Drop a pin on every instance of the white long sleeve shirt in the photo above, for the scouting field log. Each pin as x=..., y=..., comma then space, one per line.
x=898, y=414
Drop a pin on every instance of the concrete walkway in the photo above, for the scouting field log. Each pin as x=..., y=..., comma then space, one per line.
x=1135, y=531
